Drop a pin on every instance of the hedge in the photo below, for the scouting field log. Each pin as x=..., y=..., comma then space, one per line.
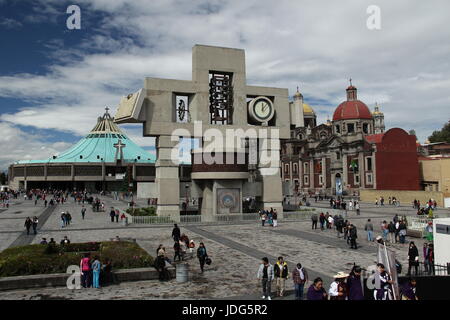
x=150, y=211
x=45, y=259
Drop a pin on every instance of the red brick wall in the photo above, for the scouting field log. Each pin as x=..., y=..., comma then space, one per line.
x=396, y=161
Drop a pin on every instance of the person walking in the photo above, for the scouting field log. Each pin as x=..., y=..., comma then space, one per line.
x=117, y=215
x=357, y=208
x=160, y=264
x=391, y=230
x=397, y=231
x=314, y=220
x=86, y=271
x=413, y=258
x=263, y=216
x=83, y=212
x=266, y=276
x=281, y=274
x=96, y=267
x=300, y=277
x=384, y=292
x=338, y=288
x=270, y=217
x=68, y=218
x=339, y=224
x=275, y=217
x=425, y=254
x=316, y=290
x=177, y=249
x=384, y=230
x=430, y=259
x=369, y=229
x=28, y=224
x=322, y=220
x=355, y=285
x=353, y=236
x=35, y=224
x=63, y=219
x=402, y=231
x=176, y=233
x=112, y=214
x=202, y=255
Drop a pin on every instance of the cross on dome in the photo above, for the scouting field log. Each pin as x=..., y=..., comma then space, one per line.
x=119, y=149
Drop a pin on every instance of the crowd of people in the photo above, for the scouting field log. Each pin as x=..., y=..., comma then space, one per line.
x=269, y=217
x=182, y=246
x=6, y=196
x=343, y=227
x=350, y=205
x=344, y=287
x=393, y=201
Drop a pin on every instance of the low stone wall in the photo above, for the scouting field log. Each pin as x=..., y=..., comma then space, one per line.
x=405, y=197
x=60, y=279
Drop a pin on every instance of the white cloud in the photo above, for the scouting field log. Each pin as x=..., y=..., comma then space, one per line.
x=9, y=23
x=18, y=145
x=404, y=66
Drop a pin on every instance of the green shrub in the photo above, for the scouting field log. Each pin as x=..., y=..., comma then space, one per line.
x=150, y=211
x=39, y=259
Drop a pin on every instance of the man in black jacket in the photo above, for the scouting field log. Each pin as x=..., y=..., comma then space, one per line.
x=176, y=233
x=413, y=258
x=28, y=224
x=353, y=236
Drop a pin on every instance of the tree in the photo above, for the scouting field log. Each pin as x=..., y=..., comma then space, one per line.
x=127, y=180
x=442, y=135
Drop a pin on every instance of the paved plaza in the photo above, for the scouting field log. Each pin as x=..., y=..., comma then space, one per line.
x=236, y=250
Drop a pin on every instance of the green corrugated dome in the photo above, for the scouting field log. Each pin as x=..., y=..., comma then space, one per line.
x=102, y=144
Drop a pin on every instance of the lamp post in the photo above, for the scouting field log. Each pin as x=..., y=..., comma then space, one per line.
x=186, y=187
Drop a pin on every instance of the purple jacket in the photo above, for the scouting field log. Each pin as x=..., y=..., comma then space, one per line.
x=314, y=294
x=355, y=288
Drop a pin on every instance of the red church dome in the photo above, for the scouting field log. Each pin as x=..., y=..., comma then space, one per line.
x=353, y=109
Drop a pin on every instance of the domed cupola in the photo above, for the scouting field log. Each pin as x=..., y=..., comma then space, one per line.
x=353, y=115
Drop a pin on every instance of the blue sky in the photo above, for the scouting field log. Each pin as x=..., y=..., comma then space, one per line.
x=55, y=82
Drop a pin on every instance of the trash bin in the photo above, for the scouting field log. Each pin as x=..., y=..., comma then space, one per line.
x=182, y=272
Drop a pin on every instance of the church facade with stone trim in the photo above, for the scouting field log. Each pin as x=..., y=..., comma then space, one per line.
x=348, y=153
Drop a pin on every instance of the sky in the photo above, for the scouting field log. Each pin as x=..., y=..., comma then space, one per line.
x=55, y=82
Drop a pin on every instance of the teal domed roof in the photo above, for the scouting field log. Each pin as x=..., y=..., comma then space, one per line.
x=105, y=143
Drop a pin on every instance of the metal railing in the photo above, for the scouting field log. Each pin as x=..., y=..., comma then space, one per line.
x=190, y=219
x=150, y=219
x=298, y=215
x=424, y=269
x=237, y=217
x=304, y=214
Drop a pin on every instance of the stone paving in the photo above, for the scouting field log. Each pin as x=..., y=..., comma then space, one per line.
x=236, y=250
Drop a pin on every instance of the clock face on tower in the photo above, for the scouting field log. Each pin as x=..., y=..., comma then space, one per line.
x=261, y=110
